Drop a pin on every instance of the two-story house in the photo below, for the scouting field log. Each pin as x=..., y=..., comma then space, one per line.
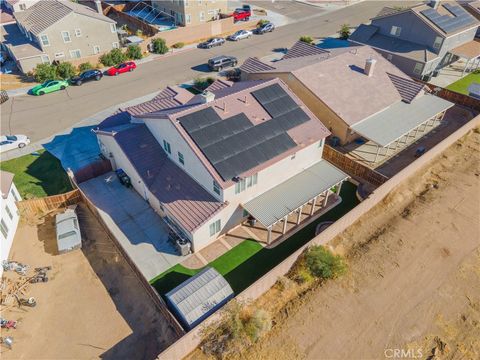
x=9, y=213
x=191, y=12
x=207, y=162
x=58, y=31
x=424, y=38
x=19, y=5
x=355, y=92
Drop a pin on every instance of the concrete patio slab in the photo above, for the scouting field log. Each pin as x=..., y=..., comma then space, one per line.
x=141, y=232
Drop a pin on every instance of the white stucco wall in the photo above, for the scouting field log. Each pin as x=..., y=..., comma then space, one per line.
x=11, y=223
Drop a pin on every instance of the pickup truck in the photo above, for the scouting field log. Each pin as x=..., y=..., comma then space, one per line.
x=242, y=14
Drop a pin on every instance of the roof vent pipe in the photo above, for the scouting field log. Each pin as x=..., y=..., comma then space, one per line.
x=207, y=97
x=434, y=4
x=98, y=4
x=369, y=66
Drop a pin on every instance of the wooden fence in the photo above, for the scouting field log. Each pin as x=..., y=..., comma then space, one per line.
x=459, y=99
x=43, y=205
x=93, y=170
x=353, y=168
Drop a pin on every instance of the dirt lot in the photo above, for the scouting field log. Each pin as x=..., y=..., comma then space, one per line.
x=93, y=306
x=414, y=279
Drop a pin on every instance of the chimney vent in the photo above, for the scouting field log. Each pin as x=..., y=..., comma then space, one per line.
x=98, y=4
x=207, y=97
x=369, y=66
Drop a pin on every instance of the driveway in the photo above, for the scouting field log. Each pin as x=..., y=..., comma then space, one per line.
x=140, y=231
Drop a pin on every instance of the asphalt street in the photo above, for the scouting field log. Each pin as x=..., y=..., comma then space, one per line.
x=41, y=117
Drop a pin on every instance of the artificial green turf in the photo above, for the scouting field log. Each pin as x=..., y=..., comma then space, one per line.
x=243, y=266
x=461, y=86
x=38, y=175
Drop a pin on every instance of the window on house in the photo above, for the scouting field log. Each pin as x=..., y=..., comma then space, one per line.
x=180, y=158
x=438, y=42
x=75, y=54
x=245, y=213
x=78, y=32
x=395, y=31
x=113, y=28
x=45, y=59
x=3, y=228
x=44, y=39
x=216, y=187
x=215, y=227
x=9, y=213
x=66, y=37
x=23, y=7
x=320, y=144
x=243, y=184
x=167, y=147
x=418, y=68
x=115, y=45
x=188, y=18
x=14, y=195
x=59, y=55
x=96, y=49
x=202, y=15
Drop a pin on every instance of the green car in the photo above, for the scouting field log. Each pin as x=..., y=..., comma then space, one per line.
x=49, y=86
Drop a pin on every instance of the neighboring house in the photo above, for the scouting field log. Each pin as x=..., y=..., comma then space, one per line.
x=6, y=15
x=19, y=5
x=58, y=31
x=9, y=216
x=191, y=12
x=424, y=38
x=349, y=87
x=207, y=162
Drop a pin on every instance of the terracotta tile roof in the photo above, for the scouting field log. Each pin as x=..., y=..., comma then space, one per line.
x=407, y=88
x=179, y=194
x=252, y=65
x=219, y=84
x=169, y=97
x=302, y=49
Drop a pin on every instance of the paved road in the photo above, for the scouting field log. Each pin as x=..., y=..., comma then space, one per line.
x=41, y=117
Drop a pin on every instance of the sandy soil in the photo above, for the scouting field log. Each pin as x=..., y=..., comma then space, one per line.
x=414, y=279
x=15, y=81
x=93, y=306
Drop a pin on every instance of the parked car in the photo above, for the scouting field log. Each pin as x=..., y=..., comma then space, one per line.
x=241, y=15
x=211, y=43
x=121, y=68
x=219, y=62
x=240, y=34
x=268, y=27
x=9, y=142
x=86, y=76
x=50, y=86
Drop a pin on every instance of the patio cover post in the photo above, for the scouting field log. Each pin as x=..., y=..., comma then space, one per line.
x=416, y=131
x=376, y=155
x=325, y=199
x=269, y=237
x=285, y=222
x=314, y=202
x=299, y=216
x=339, y=187
x=465, y=67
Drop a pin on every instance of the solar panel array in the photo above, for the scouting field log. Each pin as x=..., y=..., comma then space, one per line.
x=235, y=145
x=447, y=23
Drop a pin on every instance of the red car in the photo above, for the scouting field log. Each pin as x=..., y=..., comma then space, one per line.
x=242, y=15
x=121, y=68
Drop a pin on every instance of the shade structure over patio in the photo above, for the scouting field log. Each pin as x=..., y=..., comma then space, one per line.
x=470, y=51
x=276, y=204
x=397, y=121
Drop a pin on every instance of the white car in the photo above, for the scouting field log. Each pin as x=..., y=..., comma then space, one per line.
x=10, y=142
x=240, y=34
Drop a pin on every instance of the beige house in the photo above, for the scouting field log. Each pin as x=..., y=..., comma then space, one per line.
x=191, y=12
x=19, y=5
x=58, y=31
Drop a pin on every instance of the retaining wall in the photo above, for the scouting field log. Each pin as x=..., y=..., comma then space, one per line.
x=192, y=339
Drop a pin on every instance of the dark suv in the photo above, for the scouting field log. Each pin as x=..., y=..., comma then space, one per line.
x=87, y=76
x=220, y=62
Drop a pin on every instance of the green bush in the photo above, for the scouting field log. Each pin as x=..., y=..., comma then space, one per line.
x=323, y=264
x=66, y=70
x=114, y=57
x=85, y=66
x=178, y=45
x=344, y=32
x=306, y=39
x=159, y=46
x=202, y=83
x=44, y=72
x=262, y=22
x=134, y=52
x=259, y=323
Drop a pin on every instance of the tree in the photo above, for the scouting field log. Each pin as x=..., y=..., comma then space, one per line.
x=262, y=22
x=44, y=72
x=65, y=70
x=202, y=83
x=323, y=264
x=114, y=57
x=306, y=39
x=134, y=52
x=85, y=66
x=344, y=31
x=159, y=46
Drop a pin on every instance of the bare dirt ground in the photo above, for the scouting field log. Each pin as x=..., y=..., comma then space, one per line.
x=93, y=305
x=414, y=279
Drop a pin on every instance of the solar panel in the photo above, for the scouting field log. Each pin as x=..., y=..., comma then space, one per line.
x=459, y=19
x=199, y=119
